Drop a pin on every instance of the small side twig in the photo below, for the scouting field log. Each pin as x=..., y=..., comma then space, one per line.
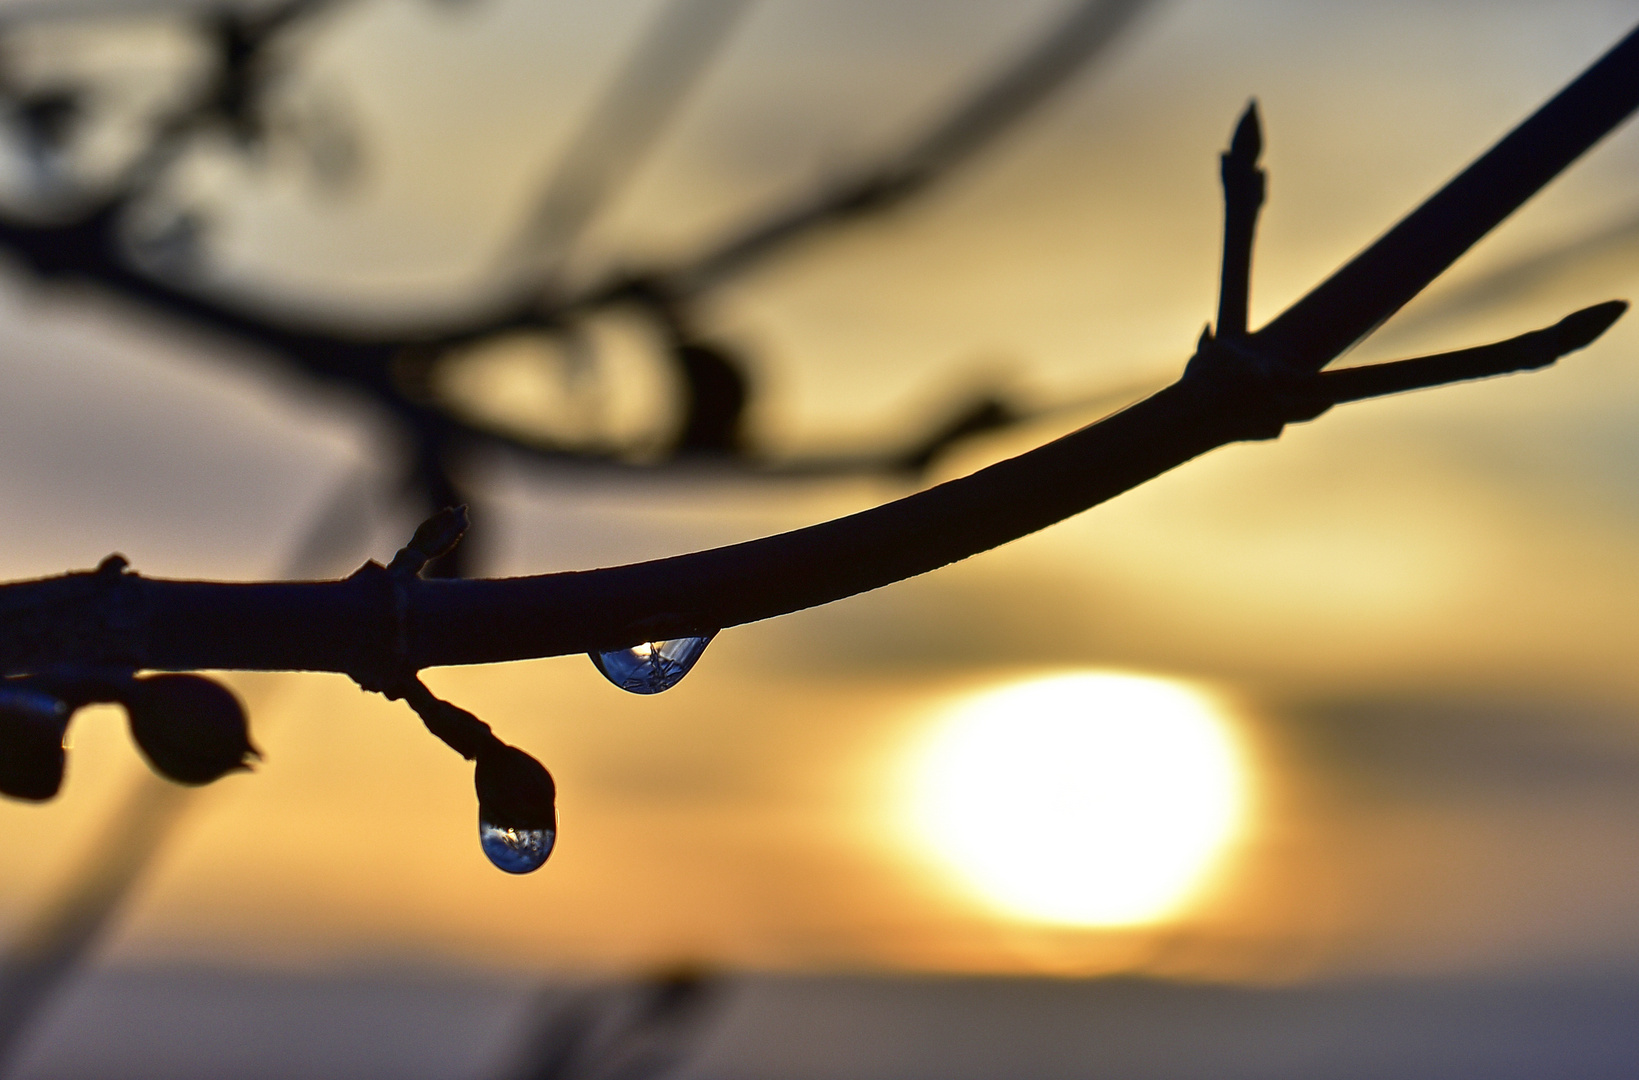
x=1526, y=352
x=434, y=538
x=1243, y=196
x=459, y=729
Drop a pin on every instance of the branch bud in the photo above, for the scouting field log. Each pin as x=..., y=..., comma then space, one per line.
x=191, y=729
x=435, y=538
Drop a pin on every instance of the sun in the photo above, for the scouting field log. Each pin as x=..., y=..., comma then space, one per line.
x=1089, y=799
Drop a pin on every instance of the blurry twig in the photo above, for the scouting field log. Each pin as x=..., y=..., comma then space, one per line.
x=623, y=127
x=53, y=944
x=621, y=1033
x=398, y=370
x=1065, y=49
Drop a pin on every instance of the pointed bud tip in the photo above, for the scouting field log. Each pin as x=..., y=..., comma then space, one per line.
x=1581, y=328
x=454, y=518
x=439, y=534
x=1247, y=142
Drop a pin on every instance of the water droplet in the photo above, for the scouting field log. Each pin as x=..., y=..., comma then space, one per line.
x=517, y=851
x=31, y=743
x=36, y=704
x=652, y=666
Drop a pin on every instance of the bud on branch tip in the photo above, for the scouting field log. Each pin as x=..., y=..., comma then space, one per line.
x=1579, y=329
x=1247, y=142
x=435, y=538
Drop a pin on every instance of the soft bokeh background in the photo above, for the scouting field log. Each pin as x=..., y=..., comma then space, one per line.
x=1420, y=611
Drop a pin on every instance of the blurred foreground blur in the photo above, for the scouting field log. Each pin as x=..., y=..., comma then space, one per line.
x=182, y=1024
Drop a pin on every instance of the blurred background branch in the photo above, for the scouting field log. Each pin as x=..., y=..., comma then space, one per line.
x=124, y=229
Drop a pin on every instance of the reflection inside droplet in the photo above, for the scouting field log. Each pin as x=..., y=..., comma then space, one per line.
x=36, y=705
x=652, y=666
x=517, y=851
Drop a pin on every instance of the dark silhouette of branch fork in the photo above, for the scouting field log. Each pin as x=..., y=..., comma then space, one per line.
x=378, y=626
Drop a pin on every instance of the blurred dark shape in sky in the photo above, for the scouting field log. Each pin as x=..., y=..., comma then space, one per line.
x=622, y=1032
x=129, y=232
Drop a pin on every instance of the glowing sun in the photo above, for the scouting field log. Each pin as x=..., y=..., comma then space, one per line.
x=1086, y=799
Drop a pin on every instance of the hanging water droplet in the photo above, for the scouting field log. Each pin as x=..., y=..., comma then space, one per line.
x=31, y=743
x=517, y=851
x=652, y=666
x=517, y=807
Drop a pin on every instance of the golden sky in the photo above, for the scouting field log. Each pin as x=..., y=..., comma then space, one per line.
x=1417, y=614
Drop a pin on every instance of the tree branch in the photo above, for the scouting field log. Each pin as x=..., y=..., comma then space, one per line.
x=1380, y=280
x=377, y=625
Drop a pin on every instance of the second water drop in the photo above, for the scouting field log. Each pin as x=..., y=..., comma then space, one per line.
x=517, y=851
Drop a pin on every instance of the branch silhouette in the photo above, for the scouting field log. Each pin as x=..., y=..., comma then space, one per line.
x=82, y=636
x=1229, y=392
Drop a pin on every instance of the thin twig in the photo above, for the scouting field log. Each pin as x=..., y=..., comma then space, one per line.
x=1243, y=196
x=1064, y=50
x=1380, y=280
x=1524, y=353
x=624, y=125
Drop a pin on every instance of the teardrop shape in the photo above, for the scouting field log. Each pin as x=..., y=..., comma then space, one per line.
x=652, y=666
x=517, y=808
x=517, y=851
x=192, y=730
x=31, y=743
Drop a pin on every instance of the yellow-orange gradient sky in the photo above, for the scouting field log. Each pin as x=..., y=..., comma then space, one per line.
x=1412, y=622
